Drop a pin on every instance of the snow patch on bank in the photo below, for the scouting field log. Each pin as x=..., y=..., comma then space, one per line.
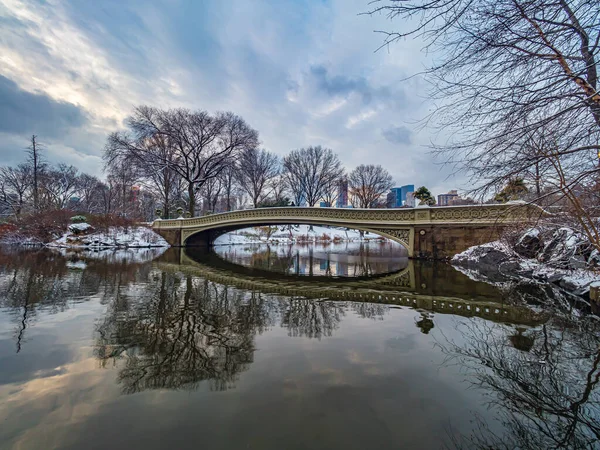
x=115, y=237
x=497, y=262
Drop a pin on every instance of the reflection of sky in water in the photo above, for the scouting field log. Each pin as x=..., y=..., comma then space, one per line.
x=128, y=355
x=349, y=259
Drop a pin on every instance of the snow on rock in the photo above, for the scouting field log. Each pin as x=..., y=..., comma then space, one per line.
x=120, y=237
x=530, y=243
x=80, y=227
x=492, y=257
x=560, y=256
x=565, y=249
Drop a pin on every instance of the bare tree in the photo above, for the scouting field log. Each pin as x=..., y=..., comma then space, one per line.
x=121, y=182
x=332, y=190
x=211, y=192
x=368, y=183
x=89, y=189
x=507, y=71
x=280, y=189
x=58, y=185
x=230, y=186
x=38, y=165
x=203, y=144
x=257, y=170
x=310, y=171
x=14, y=184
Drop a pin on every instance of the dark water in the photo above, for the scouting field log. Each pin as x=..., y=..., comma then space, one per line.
x=190, y=350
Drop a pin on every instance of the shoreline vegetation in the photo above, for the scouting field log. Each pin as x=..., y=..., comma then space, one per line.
x=63, y=229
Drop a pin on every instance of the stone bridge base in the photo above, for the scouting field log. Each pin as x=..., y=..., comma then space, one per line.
x=443, y=242
x=428, y=241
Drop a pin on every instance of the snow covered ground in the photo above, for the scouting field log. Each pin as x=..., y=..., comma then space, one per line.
x=115, y=237
x=300, y=233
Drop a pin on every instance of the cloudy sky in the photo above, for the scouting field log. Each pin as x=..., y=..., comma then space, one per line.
x=302, y=72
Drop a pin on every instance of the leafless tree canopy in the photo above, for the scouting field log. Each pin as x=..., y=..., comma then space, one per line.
x=197, y=146
x=368, y=183
x=309, y=171
x=512, y=77
x=257, y=171
x=15, y=183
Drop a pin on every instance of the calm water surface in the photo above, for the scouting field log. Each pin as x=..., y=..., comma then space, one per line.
x=286, y=348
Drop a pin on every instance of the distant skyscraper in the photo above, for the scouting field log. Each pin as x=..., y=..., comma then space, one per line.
x=404, y=190
x=410, y=199
x=342, y=200
x=447, y=199
x=397, y=196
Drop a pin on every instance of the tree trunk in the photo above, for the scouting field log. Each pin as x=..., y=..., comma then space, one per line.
x=167, y=203
x=167, y=207
x=192, y=200
x=36, y=195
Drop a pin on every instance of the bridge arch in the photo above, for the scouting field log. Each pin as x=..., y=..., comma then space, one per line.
x=437, y=232
x=206, y=236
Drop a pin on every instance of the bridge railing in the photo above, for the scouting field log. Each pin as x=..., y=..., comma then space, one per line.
x=474, y=214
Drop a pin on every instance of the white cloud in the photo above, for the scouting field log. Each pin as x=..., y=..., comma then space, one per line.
x=302, y=74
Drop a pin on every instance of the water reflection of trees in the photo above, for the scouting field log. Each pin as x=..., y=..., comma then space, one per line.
x=34, y=280
x=312, y=318
x=542, y=382
x=182, y=330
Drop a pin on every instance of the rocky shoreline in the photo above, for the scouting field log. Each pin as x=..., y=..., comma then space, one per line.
x=559, y=256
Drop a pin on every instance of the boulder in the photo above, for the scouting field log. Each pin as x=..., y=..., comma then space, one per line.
x=494, y=258
x=530, y=244
x=80, y=228
x=566, y=250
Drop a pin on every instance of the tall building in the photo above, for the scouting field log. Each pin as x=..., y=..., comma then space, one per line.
x=397, y=196
x=342, y=200
x=410, y=200
x=394, y=198
x=448, y=199
x=404, y=190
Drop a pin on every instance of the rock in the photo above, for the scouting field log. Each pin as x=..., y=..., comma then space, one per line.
x=577, y=262
x=594, y=259
x=494, y=260
x=80, y=228
x=529, y=244
x=566, y=250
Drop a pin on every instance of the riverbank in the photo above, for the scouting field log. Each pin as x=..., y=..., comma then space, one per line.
x=294, y=235
x=83, y=235
x=559, y=256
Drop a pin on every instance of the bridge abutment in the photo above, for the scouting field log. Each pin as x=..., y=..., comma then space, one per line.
x=443, y=242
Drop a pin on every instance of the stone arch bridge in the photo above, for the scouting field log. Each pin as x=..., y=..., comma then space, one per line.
x=436, y=232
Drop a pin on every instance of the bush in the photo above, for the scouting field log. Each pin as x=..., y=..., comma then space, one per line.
x=44, y=226
x=105, y=221
x=78, y=219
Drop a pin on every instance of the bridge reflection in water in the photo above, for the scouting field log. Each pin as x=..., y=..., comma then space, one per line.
x=413, y=286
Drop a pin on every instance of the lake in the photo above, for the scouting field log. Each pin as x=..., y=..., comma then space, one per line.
x=345, y=346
